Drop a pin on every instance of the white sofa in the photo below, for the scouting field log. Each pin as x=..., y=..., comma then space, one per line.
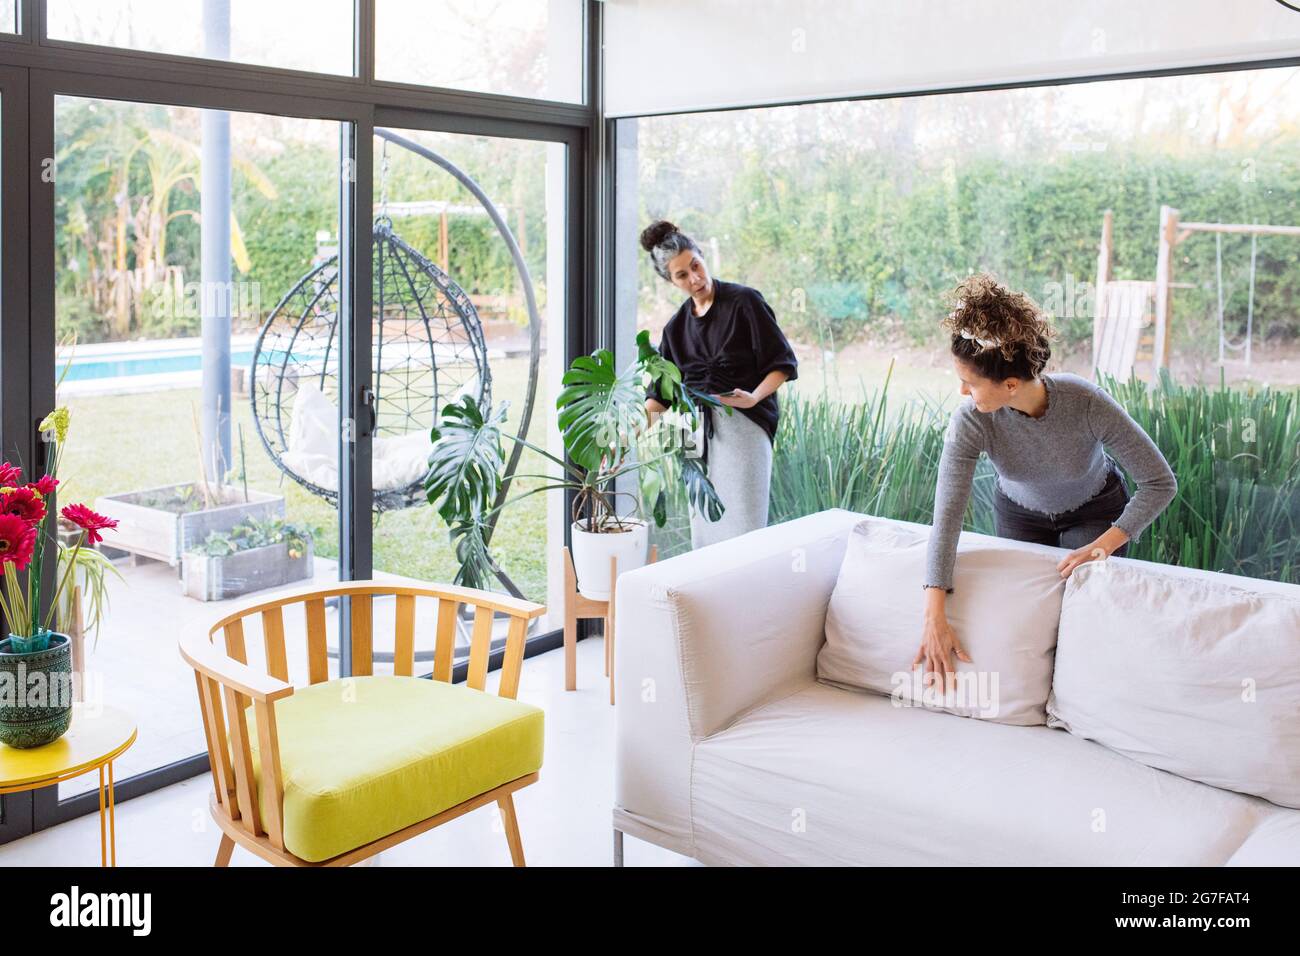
x=730, y=751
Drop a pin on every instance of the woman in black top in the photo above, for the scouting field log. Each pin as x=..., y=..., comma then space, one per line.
x=726, y=342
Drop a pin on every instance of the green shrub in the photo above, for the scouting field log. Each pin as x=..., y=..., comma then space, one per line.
x=1236, y=455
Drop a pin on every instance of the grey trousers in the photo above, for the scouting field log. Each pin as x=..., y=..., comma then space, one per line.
x=740, y=467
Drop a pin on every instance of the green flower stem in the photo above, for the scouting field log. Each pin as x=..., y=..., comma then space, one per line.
x=18, y=621
x=5, y=604
x=72, y=566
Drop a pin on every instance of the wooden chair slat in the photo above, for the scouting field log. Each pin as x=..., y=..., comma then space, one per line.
x=277, y=664
x=445, y=646
x=268, y=753
x=234, y=632
x=404, y=637
x=214, y=732
x=363, y=650
x=512, y=665
x=318, y=664
x=480, y=645
x=242, y=756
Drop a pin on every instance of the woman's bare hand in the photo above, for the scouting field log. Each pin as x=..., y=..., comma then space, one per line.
x=938, y=644
x=738, y=398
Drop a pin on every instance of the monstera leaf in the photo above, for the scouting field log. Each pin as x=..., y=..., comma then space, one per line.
x=466, y=462
x=700, y=491
x=469, y=536
x=597, y=408
x=658, y=371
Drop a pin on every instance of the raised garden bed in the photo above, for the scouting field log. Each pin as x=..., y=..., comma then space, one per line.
x=219, y=577
x=164, y=523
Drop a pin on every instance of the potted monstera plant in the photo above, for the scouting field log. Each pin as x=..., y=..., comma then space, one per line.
x=602, y=422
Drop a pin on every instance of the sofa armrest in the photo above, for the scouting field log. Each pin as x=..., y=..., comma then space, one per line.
x=705, y=637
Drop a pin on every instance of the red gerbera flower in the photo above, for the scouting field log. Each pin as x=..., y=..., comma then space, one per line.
x=23, y=502
x=45, y=485
x=10, y=475
x=17, y=539
x=88, y=521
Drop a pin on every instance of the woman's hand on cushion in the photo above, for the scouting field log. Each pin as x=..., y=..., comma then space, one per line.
x=1098, y=550
x=938, y=644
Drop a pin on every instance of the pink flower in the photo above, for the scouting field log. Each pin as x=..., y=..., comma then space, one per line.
x=10, y=475
x=17, y=539
x=23, y=502
x=45, y=485
x=88, y=521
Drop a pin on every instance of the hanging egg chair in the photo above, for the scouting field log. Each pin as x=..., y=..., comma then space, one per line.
x=428, y=350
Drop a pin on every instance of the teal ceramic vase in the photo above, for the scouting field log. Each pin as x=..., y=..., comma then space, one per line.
x=35, y=690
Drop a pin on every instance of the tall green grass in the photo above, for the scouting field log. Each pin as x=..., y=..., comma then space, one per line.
x=1236, y=454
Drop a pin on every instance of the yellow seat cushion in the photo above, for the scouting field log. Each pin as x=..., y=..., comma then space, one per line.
x=364, y=757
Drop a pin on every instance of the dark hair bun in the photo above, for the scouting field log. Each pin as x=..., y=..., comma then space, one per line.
x=655, y=233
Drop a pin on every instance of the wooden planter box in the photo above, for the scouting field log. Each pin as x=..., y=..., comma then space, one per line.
x=209, y=578
x=166, y=535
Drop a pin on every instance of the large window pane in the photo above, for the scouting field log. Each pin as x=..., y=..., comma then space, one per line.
x=9, y=16
x=313, y=35
x=528, y=48
x=178, y=233
x=854, y=218
x=453, y=320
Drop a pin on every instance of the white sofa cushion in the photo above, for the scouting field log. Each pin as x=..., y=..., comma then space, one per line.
x=1005, y=605
x=1192, y=675
x=828, y=777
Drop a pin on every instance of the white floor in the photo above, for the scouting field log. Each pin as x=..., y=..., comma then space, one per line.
x=564, y=818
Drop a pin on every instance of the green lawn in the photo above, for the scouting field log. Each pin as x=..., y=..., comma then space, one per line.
x=122, y=443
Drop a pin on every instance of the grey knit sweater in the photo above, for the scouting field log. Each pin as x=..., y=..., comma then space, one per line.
x=1050, y=464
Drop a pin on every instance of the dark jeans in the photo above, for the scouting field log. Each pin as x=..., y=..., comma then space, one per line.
x=1071, y=530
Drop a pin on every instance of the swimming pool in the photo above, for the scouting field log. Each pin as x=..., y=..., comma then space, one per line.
x=127, y=366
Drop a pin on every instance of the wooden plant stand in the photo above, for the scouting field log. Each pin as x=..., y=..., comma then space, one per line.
x=577, y=607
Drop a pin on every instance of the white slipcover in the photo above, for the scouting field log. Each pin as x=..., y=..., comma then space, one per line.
x=729, y=750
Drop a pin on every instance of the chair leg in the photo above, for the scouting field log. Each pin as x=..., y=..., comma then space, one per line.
x=507, y=805
x=223, y=852
x=618, y=848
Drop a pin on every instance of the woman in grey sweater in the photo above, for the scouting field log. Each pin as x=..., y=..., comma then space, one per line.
x=1044, y=434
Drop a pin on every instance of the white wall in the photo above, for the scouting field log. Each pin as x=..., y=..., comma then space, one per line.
x=673, y=55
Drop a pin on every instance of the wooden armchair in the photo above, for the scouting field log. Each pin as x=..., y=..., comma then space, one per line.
x=334, y=771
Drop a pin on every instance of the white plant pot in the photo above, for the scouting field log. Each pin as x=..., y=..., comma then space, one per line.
x=592, y=551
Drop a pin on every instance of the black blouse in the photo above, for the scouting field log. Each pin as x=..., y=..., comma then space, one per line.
x=736, y=344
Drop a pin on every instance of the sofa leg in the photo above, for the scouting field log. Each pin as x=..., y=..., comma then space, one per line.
x=618, y=848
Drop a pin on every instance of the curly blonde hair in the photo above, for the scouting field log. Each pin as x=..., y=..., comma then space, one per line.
x=1000, y=333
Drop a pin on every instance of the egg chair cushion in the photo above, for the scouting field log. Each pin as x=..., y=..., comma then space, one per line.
x=397, y=462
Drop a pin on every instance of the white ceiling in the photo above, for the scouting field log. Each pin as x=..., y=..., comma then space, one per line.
x=674, y=55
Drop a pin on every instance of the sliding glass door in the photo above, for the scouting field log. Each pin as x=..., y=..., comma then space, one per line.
x=196, y=265
x=16, y=431
x=254, y=280
x=170, y=243
x=469, y=298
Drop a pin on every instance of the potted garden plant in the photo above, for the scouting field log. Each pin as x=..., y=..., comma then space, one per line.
x=602, y=422
x=255, y=554
x=36, y=688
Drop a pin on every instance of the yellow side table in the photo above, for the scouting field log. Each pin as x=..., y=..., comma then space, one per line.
x=95, y=739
